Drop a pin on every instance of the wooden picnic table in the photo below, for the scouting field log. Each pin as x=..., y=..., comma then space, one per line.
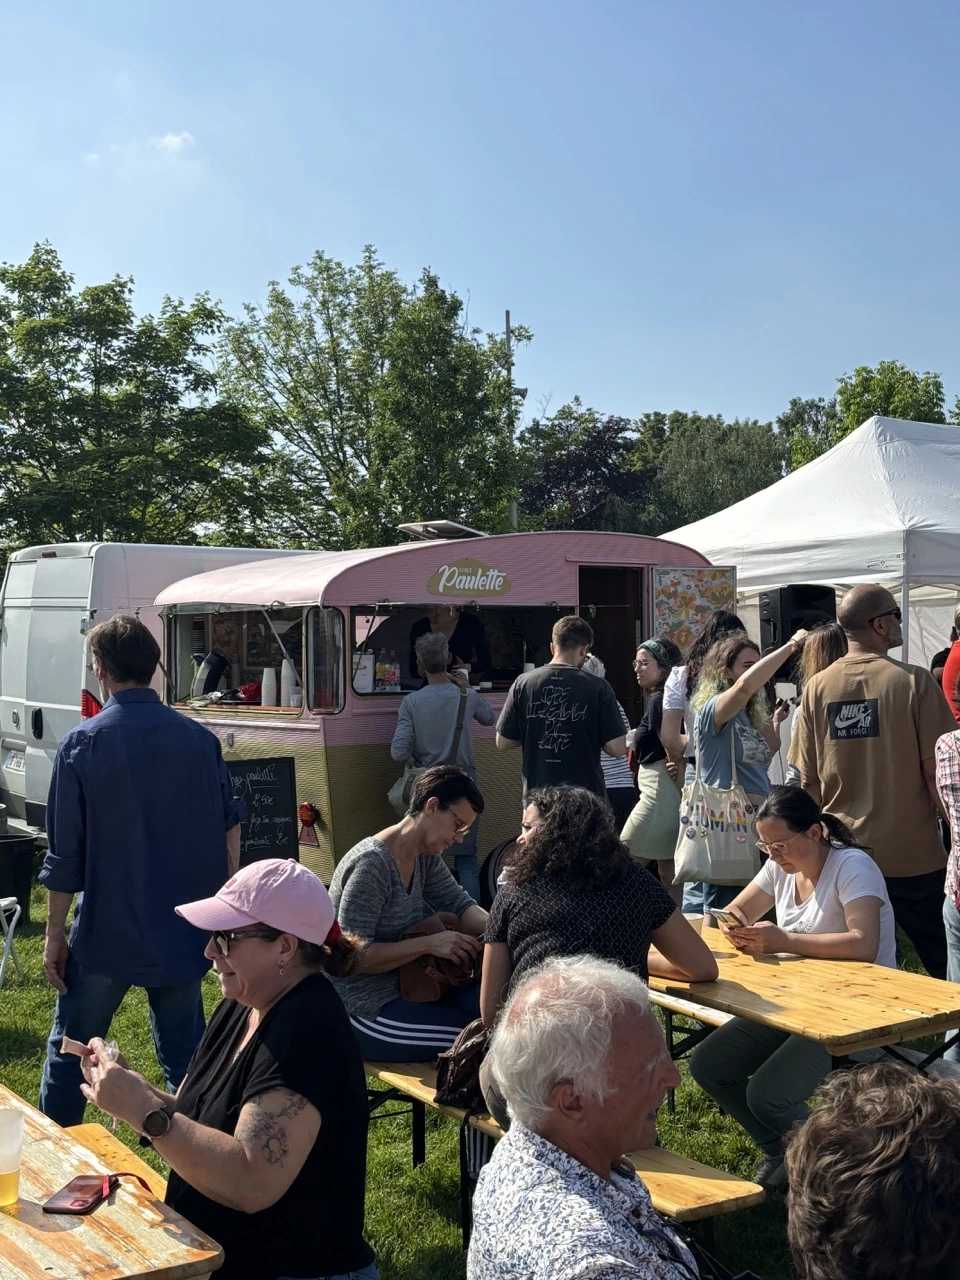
x=845, y=1005
x=130, y=1235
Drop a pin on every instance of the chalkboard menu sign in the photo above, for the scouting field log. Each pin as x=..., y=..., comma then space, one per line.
x=268, y=788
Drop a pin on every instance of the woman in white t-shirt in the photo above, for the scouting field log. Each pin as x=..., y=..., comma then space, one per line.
x=831, y=904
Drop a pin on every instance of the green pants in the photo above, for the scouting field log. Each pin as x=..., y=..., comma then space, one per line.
x=761, y=1077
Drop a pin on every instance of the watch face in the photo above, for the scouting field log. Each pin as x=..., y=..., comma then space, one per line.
x=156, y=1123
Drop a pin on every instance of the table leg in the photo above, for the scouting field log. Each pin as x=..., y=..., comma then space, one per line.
x=418, y=1122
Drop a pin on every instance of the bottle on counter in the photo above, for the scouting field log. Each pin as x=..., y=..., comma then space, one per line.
x=381, y=671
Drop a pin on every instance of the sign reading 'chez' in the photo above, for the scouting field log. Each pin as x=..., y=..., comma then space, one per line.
x=468, y=577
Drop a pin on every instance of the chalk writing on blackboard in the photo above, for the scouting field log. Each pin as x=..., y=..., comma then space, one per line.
x=268, y=788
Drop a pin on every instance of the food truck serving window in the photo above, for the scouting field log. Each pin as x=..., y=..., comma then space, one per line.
x=493, y=642
x=257, y=659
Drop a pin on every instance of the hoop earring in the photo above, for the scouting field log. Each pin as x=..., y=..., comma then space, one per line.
x=280, y=967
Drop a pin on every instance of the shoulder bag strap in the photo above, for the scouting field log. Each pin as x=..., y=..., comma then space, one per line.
x=733, y=751
x=458, y=731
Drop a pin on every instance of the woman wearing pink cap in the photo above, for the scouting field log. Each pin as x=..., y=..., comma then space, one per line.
x=266, y=1137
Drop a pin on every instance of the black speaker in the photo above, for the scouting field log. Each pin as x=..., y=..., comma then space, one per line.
x=787, y=609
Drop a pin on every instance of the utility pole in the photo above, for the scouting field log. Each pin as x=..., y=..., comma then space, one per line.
x=512, y=510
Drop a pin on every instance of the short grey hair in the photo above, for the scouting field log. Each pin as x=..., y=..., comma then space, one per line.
x=594, y=667
x=557, y=1026
x=433, y=652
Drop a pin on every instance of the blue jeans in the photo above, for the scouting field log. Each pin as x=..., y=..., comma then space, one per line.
x=951, y=924
x=87, y=1009
x=699, y=898
x=465, y=862
x=368, y=1273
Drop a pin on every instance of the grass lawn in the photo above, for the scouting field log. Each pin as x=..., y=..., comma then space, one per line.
x=412, y=1215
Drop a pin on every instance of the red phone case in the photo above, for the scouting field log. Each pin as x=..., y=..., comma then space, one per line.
x=82, y=1194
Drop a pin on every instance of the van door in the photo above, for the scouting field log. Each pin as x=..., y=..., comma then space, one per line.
x=14, y=642
x=52, y=705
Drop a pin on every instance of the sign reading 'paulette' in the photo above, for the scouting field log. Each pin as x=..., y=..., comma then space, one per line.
x=468, y=577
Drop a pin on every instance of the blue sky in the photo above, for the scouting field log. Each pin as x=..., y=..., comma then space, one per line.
x=694, y=204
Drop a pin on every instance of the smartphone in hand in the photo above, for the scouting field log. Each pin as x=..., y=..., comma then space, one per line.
x=728, y=918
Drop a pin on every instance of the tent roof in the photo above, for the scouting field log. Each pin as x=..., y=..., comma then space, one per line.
x=883, y=502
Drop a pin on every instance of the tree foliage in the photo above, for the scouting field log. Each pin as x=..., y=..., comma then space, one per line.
x=890, y=390
x=574, y=466
x=809, y=428
x=384, y=404
x=109, y=425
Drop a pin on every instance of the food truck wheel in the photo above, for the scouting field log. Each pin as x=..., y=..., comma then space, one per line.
x=491, y=868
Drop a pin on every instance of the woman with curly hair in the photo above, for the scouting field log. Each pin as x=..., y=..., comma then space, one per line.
x=730, y=702
x=573, y=889
x=677, y=727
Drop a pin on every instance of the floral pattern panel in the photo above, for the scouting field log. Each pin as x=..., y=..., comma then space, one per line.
x=683, y=600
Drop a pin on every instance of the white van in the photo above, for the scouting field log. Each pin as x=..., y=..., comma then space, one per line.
x=51, y=597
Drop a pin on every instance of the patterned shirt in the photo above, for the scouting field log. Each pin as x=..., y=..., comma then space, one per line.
x=948, y=784
x=550, y=916
x=539, y=1214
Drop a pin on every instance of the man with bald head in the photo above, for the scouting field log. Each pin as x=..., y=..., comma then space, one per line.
x=865, y=748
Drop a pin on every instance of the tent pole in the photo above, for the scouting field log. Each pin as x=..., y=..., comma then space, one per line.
x=905, y=610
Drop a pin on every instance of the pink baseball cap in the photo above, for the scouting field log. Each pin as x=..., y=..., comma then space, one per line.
x=277, y=892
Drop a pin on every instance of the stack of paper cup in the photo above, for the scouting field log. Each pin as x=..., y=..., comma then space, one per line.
x=288, y=682
x=268, y=687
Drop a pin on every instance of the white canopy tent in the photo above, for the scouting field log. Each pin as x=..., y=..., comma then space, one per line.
x=881, y=506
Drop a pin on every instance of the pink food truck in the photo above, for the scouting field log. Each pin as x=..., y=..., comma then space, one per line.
x=298, y=665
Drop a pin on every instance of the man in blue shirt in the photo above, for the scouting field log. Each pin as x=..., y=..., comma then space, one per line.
x=141, y=816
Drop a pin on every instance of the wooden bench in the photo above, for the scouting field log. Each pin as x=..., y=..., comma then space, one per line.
x=680, y=1189
x=672, y=1006
x=117, y=1156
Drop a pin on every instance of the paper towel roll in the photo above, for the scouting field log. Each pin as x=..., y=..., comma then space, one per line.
x=288, y=681
x=268, y=687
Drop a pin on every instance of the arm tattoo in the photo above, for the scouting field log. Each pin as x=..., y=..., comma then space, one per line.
x=267, y=1125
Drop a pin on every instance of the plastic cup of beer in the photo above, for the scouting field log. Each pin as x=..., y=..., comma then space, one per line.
x=11, y=1145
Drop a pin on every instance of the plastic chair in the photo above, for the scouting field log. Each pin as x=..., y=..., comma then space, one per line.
x=9, y=915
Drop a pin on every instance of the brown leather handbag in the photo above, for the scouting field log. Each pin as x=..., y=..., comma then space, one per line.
x=428, y=977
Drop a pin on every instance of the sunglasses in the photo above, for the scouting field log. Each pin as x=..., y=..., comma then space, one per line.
x=890, y=613
x=223, y=938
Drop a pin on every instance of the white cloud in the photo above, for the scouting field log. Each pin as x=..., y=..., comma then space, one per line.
x=92, y=157
x=174, y=143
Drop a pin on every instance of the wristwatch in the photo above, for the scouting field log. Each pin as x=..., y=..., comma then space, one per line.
x=156, y=1124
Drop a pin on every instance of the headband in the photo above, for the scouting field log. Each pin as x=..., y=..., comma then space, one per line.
x=658, y=651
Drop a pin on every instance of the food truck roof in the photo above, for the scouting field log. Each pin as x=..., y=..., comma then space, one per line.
x=520, y=568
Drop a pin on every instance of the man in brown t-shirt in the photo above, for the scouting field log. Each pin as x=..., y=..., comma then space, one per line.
x=865, y=750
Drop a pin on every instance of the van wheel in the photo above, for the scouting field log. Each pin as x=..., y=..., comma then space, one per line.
x=491, y=868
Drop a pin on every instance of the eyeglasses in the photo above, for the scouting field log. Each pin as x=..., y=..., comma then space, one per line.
x=779, y=846
x=890, y=613
x=223, y=938
x=462, y=827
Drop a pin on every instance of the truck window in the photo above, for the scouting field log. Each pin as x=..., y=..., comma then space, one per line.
x=325, y=661
x=252, y=658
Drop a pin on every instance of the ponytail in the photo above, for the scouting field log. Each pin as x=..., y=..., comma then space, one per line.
x=794, y=806
x=339, y=959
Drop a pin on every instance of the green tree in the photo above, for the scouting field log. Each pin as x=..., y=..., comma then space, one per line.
x=707, y=464
x=808, y=427
x=110, y=426
x=384, y=405
x=573, y=469
x=890, y=390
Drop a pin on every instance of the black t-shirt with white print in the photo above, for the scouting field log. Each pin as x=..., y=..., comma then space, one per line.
x=562, y=716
